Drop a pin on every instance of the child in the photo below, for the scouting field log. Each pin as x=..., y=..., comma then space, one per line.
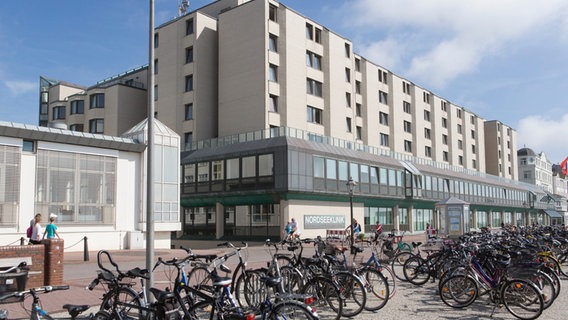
x=51, y=228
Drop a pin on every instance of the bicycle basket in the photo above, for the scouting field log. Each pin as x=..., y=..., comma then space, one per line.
x=13, y=282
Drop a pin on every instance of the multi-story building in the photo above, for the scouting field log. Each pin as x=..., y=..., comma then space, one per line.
x=111, y=106
x=277, y=112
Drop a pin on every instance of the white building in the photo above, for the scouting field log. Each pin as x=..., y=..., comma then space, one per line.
x=94, y=183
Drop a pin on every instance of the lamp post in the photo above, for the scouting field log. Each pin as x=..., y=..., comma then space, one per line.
x=351, y=184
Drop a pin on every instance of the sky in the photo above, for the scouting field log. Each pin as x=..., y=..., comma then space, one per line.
x=503, y=60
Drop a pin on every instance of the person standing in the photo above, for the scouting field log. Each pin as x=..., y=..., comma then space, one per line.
x=36, y=230
x=378, y=230
x=51, y=228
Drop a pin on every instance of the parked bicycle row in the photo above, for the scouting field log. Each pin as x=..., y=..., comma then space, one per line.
x=326, y=279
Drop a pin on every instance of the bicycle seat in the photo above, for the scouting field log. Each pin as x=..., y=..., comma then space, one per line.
x=138, y=273
x=222, y=281
x=162, y=295
x=271, y=281
x=75, y=309
x=207, y=257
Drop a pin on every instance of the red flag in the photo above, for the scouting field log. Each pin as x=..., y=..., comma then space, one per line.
x=564, y=165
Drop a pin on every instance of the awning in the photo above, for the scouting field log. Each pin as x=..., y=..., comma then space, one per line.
x=410, y=167
x=553, y=214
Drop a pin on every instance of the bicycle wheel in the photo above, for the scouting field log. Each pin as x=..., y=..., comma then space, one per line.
x=397, y=264
x=102, y=315
x=388, y=273
x=544, y=283
x=200, y=278
x=125, y=301
x=292, y=279
x=377, y=288
x=291, y=310
x=555, y=279
x=353, y=291
x=327, y=297
x=522, y=299
x=201, y=310
x=416, y=270
x=254, y=290
x=283, y=260
x=458, y=291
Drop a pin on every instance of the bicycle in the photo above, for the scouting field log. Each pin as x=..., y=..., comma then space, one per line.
x=36, y=311
x=221, y=304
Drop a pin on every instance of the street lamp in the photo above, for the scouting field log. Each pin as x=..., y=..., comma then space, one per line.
x=351, y=184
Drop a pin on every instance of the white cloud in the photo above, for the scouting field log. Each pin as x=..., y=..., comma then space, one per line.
x=21, y=87
x=450, y=37
x=544, y=134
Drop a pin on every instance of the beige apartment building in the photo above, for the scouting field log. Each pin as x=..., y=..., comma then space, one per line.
x=277, y=112
x=111, y=106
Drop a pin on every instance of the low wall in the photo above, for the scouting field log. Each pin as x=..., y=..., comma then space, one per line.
x=45, y=261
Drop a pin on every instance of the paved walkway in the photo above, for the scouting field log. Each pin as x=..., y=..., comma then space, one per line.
x=420, y=303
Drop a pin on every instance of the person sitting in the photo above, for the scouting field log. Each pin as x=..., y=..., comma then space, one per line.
x=356, y=228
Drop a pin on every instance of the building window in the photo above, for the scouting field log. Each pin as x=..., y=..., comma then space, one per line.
x=357, y=87
x=189, y=27
x=273, y=43
x=460, y=160
x=459, y=113
x=189, y=83
x=97, y=100
x=426, y=97
x=444, y=123
x=76, y=127
x=383, y=118
x=427, y=115
x=314, y=115
x=444, y=105
x=156, y=40
x=309, y=31
x=384, y=140
x=273, y=106
x=383, y=97
x=473, y=134
x=156, y=93
x=459, y=128
x=407, y=146
x=313, y=60
x=445, y=156
x=474, y=164
x=357, y=64
x=318, y=35
x=406, y=106
x=358, y=109
x=460, y=144
x=347, y=50
x=473, y=148
x=347, y=75
x=359, y=132
x=445, y=139
x=314, y=87
x=189, y=111
x=189, y=55
x=96, y=126
x=406, y=87
x=383, y=76
x=348, y=124
x=472, y=119
x=77, y=107
x=427, y=133
x=407, y=127
x=348, y=100
x=428, y=151
x=272, y=13
x=188, y=138
x=27, y=146
x=155, y=66
x=273, y=73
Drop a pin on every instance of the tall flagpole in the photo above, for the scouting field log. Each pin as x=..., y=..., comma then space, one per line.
x=149, y=154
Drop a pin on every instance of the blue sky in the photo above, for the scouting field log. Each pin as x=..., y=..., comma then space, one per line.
x=503, y=60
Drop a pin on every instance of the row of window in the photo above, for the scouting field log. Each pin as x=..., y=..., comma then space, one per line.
x=333, y=169
x=229, y=169
x=96, y=101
